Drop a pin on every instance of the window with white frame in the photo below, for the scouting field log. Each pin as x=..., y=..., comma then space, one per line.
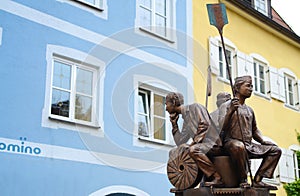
x=156, y=16
x=73, y=96
x=261, y=6
x=223, y=72
x=260, y=77
x=94, y=3
x=151, y=115
x=291, y=91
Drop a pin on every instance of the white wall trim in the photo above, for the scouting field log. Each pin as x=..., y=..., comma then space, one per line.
x=93, y=37
x=84, y=156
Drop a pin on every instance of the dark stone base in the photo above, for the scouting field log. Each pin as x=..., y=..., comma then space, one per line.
x=224, y=191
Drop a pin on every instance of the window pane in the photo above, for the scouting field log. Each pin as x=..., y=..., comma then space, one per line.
x=261, y=72
x=291, y=98
x=84, y=81
x=62, y=75
x=159, y=129
x=90, y=1
x=142, y=103
x=161, y=24
x=290, y=86
x=228, y=54
x=260, y=5
x=160, y=7
x=146, y=3
x=83, y=108
x=159, y=106
x=221, y=62
x=60, y=102
x=262, y=86
x=145, y=18
x=143, y=126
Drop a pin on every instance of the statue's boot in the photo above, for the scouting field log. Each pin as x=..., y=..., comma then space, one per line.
x=216, y=182
x=264, y=185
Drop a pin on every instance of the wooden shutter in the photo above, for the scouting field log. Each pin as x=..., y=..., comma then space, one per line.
x=286, y=166
x=281, y=85
x=277, y=84
x=214, y=55
x=241, y=64
x=244, y=64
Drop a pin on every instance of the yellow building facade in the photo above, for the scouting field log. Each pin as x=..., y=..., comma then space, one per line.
x=259, y=46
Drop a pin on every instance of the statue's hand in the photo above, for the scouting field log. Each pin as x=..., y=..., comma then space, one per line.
x=268, y=143
x=174, y=118
x=234, y=104
x=202, y=127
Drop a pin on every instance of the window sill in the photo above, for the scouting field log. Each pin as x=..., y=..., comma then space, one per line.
x=74, y=123
x=153, y=141
x=156, y=35
x=89, y=5
x=262, y=95
x=226, y=81
x=291, y=107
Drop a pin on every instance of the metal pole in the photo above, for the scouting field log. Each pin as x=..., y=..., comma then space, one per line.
x=237, y=111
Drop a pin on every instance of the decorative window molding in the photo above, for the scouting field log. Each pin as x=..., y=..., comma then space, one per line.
x=67, y=105
x=217, y=59
x=152, y=125
x=158, y=18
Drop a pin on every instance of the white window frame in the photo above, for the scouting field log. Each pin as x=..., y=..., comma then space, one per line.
x=214, y=45
x=154, y=85
x=294, y=91
x=72, y=105
x=295, y=148
x=70, y=55
x=170, y=16
x=223, y=73
x=257, y=80
x=150, y=92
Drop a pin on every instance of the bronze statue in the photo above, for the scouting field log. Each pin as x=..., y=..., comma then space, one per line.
x=195, y=126
x=240, y=130
x=222, y=97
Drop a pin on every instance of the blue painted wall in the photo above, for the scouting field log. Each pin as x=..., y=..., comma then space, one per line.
x=23, y=73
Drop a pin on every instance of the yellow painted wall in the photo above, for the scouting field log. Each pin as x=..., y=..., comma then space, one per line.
x=275, y=120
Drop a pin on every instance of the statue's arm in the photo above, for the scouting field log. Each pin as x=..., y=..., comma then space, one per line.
x=180, y=137
x=225, y=113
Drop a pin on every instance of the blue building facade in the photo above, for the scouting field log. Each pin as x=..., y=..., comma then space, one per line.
x=83, y=86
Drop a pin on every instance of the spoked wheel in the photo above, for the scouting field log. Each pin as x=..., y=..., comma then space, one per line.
x=182, y=170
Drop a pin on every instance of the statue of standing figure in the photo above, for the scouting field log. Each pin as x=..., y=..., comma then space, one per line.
x=239, y=126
